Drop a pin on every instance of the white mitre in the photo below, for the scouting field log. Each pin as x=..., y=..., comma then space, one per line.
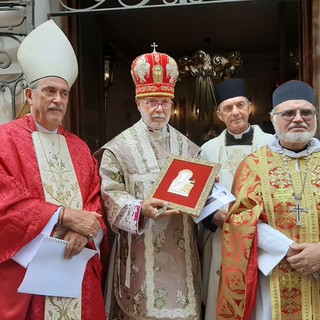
x=47, y=52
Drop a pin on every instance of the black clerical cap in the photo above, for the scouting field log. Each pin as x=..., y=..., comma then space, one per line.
x=231, y=88
x=293, y=90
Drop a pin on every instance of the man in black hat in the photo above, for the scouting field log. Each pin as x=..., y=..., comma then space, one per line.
x=271, y=251
x=229, y=148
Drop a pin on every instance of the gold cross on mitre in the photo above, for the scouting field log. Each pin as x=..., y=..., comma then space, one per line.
x=154, y=45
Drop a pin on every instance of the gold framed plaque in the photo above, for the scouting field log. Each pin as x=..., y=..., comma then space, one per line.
x=185, y=183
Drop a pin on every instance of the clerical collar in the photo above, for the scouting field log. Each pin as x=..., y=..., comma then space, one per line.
x=239, y=135
x=44, y=130
x=296, y=151
x=244, y=138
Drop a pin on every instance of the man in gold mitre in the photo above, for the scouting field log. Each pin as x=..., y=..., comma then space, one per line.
x=50, y=187
x=271, y=251
x=156, y=267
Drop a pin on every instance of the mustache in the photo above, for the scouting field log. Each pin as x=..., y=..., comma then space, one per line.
x=56, y=108
x=298, y=125
x=158, y=116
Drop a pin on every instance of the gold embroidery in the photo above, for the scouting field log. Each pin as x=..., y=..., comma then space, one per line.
x=58, y=184
x=61, y=187
x=290, y=280
x=234, y=159
x=282, y=195
x=297, y=195
x=291, y=294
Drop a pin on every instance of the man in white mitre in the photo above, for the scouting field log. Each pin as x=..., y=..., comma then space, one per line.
x=239, y=139
x=49, y=186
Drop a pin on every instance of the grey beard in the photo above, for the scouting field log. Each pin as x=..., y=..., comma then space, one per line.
x=299, y=137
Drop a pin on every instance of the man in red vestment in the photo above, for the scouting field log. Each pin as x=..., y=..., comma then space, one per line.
x=38, y=198
x=271, y=251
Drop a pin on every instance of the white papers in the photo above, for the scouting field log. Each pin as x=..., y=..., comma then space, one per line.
x=273, y=247
x=26, y=253
x=50, y=274
x=218, y=197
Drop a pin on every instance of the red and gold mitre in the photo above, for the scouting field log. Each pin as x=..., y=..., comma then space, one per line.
x=154, y=74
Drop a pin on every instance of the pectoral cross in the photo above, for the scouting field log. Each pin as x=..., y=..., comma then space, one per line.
x=298, y=209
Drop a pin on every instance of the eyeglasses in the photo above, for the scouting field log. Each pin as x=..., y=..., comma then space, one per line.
x=52, y=92
x=289, y=115
x=154, y=104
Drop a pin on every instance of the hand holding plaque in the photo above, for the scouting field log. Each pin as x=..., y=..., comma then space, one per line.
x=185, y=183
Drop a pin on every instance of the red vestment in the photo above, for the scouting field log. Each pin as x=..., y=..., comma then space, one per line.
x=24, y=213
x=265, y=189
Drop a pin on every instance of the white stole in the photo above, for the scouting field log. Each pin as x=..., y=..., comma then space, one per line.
x=60, y=186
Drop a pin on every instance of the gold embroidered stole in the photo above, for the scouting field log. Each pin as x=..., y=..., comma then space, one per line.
x=293, y=297
x=60, y=187
x=234, y=155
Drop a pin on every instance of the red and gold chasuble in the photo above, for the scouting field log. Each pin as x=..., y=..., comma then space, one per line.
x=265, y=191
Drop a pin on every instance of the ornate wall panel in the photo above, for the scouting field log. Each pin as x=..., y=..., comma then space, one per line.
x=16, y=21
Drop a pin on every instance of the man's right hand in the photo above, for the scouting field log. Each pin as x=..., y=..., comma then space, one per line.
x=81, y=221
x=292, y=252
x=150, y=208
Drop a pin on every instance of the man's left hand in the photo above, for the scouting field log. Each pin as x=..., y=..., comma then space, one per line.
x=76, y=243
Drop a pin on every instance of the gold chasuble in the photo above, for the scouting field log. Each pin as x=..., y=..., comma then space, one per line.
x=60, y=187
x=284, y=193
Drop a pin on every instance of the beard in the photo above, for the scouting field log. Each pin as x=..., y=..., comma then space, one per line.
x=298, y=137
x=295, y=137
x=153, y=125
